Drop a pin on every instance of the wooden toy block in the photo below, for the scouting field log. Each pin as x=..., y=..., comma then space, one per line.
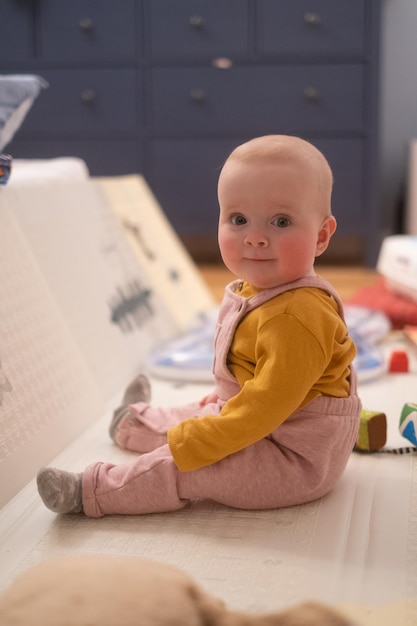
x=372, y=431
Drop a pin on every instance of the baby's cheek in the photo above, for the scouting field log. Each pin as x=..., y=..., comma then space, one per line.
x=297, y=256
x=292, y=248
x=229, y=246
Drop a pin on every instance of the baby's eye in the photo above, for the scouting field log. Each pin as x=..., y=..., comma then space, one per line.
x=281, y=222
x=238, y=220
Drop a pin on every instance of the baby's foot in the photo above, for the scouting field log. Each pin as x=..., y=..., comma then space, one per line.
x=60, y=491
x=139, y=390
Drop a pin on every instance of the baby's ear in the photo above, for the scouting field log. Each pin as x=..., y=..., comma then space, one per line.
x=327, y=228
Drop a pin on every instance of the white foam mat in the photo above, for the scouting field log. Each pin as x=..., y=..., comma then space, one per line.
x=47, y=395
x=42, y=171
x=357, y=546
x=157, y=247
x=106, y=298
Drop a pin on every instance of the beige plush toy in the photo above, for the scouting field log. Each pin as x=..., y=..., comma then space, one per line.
x=98, y=590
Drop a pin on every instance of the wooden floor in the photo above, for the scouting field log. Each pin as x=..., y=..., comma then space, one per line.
x=346, y=280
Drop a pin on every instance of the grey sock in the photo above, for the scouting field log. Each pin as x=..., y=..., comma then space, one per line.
x=60, y=491
x=139, y=390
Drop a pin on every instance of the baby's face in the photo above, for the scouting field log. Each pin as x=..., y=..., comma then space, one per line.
x=270, y=229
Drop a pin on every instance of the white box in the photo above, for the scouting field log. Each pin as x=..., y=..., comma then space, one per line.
x=397, y=262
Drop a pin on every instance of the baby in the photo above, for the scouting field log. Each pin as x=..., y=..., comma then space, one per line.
x=283, y=418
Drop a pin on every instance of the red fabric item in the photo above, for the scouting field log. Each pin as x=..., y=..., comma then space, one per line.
x=399, y=309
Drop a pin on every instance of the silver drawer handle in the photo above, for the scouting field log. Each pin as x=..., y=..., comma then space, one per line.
x=197, y=21
x=222, y=63
x=311, y=94
x=312, y=19
x=197, y=95
x=88, y=96
x=86, y=24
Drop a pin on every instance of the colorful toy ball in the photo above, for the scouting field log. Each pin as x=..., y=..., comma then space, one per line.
x=408, y=422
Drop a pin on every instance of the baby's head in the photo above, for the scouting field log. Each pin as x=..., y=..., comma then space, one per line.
x=275, y=209
x=285, y=150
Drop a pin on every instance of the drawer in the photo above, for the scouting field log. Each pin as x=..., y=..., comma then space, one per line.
x=183, y=175
x=87, y=101
x=346, y=160
x=308, y=27
x=299, y=98
x=104, y=157
x=197, y=29
x=87, y=30
x=16, y=31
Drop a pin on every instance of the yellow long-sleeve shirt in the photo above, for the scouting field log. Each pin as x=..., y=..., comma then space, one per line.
x=285, y=352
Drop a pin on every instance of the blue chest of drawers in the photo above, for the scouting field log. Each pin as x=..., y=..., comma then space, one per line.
x=167, y=88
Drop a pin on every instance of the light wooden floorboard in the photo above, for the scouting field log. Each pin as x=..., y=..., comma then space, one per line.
x=346, y=280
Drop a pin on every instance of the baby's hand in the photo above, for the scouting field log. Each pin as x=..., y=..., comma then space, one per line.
x=211, y=397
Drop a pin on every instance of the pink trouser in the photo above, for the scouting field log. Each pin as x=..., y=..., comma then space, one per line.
x=293, y=465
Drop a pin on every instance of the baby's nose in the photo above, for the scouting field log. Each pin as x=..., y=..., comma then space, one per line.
x=256, y=238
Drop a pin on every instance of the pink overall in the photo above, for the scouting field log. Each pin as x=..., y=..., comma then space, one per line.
x=298, y=462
